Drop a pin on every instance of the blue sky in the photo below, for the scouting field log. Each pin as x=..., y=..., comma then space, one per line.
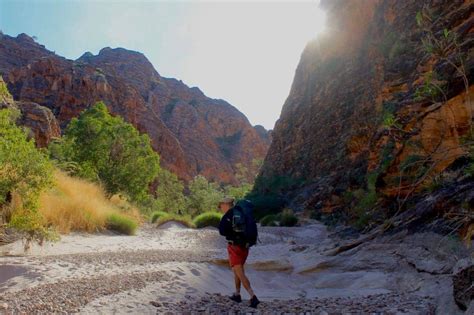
x=244, y=52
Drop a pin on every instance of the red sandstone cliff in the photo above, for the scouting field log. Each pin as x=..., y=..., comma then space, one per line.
x=364, y=119
x=192, y=133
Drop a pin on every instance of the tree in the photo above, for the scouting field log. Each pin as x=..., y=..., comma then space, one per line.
x=24, y=171
x=106, y=148
x=203, y=195
x=169, y=193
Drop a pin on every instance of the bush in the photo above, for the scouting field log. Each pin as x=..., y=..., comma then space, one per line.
x=184, y=220
x=74, y=204
x=288, y=218
x=266, y=204
x=106, y=148
x=169, y=193
x=156, y=215
x=269, y=220
x=121, y=223
x=207, y=219
x=24, y=171
x=203, y=195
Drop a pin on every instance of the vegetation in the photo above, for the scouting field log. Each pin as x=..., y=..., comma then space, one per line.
x=183, y=219
x=24, y=173
x=156, y=215
x=107, y=149
x=121, y=223
x=269, y=220
x=203, y=196
x=288, y=218
x=75, y=204
x=169, y=193
x=207, y=219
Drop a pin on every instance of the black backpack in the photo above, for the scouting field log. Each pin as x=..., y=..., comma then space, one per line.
x=238, y=224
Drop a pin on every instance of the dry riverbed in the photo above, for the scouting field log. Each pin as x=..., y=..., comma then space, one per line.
x=184, y=271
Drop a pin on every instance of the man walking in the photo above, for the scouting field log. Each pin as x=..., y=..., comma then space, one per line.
x=240, y=230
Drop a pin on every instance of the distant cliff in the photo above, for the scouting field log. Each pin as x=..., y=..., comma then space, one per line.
x=380, y=110
x=192, y=133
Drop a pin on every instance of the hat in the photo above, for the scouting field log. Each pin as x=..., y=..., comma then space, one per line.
x=226, y=200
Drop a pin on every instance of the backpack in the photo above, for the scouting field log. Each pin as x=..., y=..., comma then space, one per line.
x=238, y=224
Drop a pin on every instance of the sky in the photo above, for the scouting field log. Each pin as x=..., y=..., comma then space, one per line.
x=241, y=51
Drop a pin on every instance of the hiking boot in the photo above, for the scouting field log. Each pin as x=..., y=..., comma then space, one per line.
x=254, y=301
x=236, y=298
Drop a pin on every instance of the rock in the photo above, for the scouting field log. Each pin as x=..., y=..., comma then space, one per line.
x=331, y=133
x=38, y=119
x=193, y=133
x=463, y=283
x=3, y=306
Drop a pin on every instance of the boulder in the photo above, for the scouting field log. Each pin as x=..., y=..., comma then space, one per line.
x=463, y=283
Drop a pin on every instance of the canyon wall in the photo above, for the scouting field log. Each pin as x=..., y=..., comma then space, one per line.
x=380, y=106
x=193, y=133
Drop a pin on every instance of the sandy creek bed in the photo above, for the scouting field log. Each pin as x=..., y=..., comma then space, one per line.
x=179, y=270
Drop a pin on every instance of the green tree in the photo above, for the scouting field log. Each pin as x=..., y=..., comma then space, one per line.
x=106, y=148
x=25, y=171
x=169, y=193
x=203, y=195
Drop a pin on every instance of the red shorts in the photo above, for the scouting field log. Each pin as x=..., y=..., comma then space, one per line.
x=237, y=254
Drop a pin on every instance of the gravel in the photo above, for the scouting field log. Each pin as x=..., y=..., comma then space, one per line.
x=69, y=296
x=391, y=303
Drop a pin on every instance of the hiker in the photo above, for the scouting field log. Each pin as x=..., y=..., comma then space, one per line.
x=240, y=231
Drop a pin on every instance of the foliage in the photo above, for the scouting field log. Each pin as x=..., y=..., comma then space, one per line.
x=288, y=218
x=121, y=223
x=74, y=204
x=266, y=204
x=269, y=220
x=207, y=219
x=238, y=192
x=169, y=193
x=25, y=171
x=183, y=219
x=203, y=195
x=110, y=150
x=156, y=215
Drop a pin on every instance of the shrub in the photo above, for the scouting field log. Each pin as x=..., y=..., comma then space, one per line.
x=169, y=193
x=203, y=195
x=207, y=219
x=24, y=171
x=74, y=204
x=269, y=220
x=108, y=149
x=121, y=223
x=156, y=215
x=288, y=218
x=184, y=220
x=266, y=204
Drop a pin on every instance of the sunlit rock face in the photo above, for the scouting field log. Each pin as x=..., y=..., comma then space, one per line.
x=38, y=120
x=358, y=108
x=192, y=133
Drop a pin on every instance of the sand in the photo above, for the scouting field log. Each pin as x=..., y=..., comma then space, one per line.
x=177, y=270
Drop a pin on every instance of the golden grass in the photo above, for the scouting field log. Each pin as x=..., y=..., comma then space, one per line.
x=78, y=205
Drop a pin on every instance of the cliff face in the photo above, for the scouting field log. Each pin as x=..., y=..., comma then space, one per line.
x=370, y=98
x=192, y=133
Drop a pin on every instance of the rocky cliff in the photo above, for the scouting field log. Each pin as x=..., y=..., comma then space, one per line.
x=193, y=134
x=380, y=109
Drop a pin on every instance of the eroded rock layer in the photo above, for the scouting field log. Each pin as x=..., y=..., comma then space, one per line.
x=385, y=91
x=193, y=134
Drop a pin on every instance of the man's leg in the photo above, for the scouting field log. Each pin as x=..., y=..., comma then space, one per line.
x=237, y=283
x=240, y=273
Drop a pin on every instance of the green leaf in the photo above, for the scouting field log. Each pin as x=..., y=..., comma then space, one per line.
x=446, y=33
x=419, y=18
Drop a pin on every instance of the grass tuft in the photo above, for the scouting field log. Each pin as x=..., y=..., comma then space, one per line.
x=269, y=220
x=185, y=220
x=75, y=204
x=207, y=219
x=156, y=215
x=121, y=223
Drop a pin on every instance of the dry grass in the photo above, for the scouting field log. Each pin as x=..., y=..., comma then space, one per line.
x=78, y=205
